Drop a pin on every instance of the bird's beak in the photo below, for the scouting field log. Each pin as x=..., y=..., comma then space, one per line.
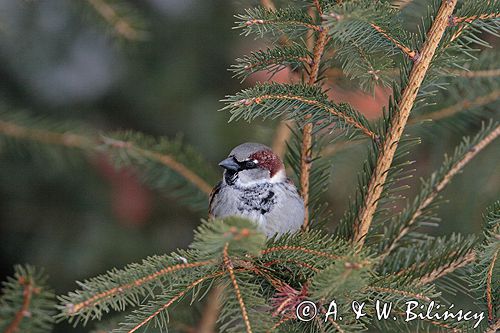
x=230, y=164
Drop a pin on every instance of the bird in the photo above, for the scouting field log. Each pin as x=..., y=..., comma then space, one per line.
x=254, y=185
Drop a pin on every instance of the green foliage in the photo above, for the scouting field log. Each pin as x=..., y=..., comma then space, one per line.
x=402, y=227
x=292, y=21
x=147, y=156
x=26, y=303
x=262, y=280
x=272, y=60
x=301, y=102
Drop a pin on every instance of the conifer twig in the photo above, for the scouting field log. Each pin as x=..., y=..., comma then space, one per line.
x=406, y=50
x=280, y=322
x=306, y=152
x=470, y=19
x=119, y=24
x=479, y=73
x=446, y=179
x=75, y=308
x=347, y=119
x=71, y=140
x=489, y=277
x=398, y=122
x=175, y=298
x=28, y=290
x=299, y=249
x=447, y=268
x=211, y=311
x=462, y=105
x=230, y=269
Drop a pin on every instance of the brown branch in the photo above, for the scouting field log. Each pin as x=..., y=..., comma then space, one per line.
x=73, y=309
x=398, y=123
x=462, y=105
x=489, y=277
x=459, y=165
x=406, y=50
x=28, y=290
x=211, y=311
x=119, y=24
x=175, y=298
x=91, y=144
x=306, y=151
x=493, y=328
x=447, y=269
x=230, y=269
x=479, y=73
x=470, y=19
x=300, y=249
x=43, y=136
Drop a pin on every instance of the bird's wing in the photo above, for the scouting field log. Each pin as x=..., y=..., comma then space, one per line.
x=214, y=192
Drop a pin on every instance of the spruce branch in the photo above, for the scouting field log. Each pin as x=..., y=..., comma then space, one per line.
x=398, y=122
x=406, y=50
x=164, y=159
x=124, y=148
x=447, y=268
x=108, y=297
x=26, y=304
x=458, y=107
x=408, y=219
x=470, y=19
x=306, y=149
x=121, y=25
x=308, y=105
x=494, y=72
x=273, y=60
x=229, y=266
x=174, y=299
x=489, y=278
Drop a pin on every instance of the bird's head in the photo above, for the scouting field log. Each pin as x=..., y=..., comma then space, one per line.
x=251, y=163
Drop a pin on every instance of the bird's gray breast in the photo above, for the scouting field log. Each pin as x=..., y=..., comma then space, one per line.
x=260, y=198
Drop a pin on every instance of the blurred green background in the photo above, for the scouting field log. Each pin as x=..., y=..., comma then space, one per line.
x=79, y=218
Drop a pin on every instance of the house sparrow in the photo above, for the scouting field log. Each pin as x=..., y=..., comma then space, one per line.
x=254, y=185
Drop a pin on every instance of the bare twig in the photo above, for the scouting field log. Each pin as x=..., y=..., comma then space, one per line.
x=398, y=123
x=470, y=19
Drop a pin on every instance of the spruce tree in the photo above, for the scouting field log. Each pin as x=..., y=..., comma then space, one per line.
x=247, y=283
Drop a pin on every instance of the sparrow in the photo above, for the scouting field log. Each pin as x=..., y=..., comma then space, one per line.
x=254, y=185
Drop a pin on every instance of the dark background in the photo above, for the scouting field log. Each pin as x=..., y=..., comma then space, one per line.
x=79, y=218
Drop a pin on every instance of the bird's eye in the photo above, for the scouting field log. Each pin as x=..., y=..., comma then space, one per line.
x=250, y=164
